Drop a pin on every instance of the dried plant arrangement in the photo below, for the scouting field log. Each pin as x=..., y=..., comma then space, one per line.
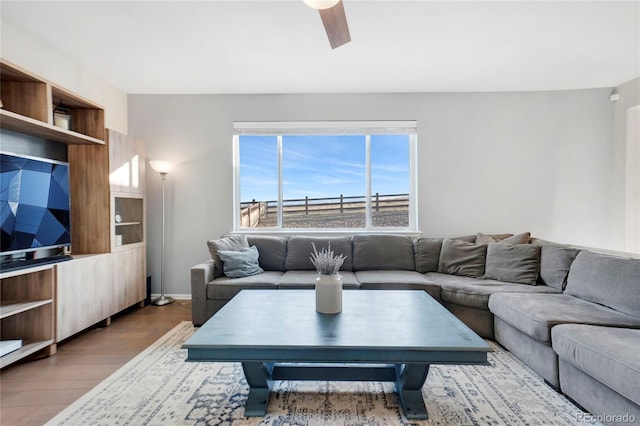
x=326, y=261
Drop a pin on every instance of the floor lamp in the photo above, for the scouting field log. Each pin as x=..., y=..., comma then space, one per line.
x=162, y=167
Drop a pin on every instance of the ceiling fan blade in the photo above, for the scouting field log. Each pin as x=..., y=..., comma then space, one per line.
x=335, y=24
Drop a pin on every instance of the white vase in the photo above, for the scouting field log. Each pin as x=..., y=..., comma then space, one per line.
x=329, y=294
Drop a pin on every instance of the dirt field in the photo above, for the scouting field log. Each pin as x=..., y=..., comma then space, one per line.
x=386, y=218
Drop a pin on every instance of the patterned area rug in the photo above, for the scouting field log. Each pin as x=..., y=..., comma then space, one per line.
x=159, y=388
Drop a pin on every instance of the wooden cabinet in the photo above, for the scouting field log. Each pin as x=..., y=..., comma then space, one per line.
x=126, y=163
x=128, y=267
x=44, y=305
x=128, y=222
x=27, y=311
x=83, y=290
x=92, y=288
x=126, y=181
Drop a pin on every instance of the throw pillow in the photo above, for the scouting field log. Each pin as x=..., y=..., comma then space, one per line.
x=488, y=239
x=427, y=254
x=462, y=258
x=523, y=238
x=240, y=263
x=555, y=261
x=513, y=263
x=233, y=242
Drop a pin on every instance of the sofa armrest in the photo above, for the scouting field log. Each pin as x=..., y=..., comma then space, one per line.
x=201, y=274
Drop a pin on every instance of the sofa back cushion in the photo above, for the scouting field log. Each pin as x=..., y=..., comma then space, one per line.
x=231, y=243
x=299, y=250
x=459, y=257
x=383, y=251
x=272, y=251
x=606, y=280
x=555, y=261
x=427, y=252
x=518, y=263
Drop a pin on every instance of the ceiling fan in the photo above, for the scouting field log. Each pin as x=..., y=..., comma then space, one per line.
x=333, y=19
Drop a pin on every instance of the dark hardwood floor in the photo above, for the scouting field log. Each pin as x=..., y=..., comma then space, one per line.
x=36, y=389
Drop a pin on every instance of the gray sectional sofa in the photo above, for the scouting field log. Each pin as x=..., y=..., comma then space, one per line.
x=572, y=315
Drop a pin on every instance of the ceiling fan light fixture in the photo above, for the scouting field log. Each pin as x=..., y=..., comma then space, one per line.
x=321, y=4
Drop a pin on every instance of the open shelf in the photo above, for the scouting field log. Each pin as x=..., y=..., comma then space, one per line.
x=27, y=349
x=28, y=102
x=27, y=311
x=12, y=307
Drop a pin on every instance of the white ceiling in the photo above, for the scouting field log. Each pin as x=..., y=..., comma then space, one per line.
x=397, y=46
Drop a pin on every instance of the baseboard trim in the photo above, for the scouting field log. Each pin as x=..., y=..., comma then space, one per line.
x=175, y=296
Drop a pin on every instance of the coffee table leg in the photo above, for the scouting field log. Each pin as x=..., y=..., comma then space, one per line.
x=410, y=379
x=259, y=382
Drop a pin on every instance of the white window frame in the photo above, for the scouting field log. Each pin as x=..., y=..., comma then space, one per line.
x=367, y=128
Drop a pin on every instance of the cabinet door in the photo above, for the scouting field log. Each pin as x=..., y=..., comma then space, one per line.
x=126, y=163
x=128, y=276
x=83, y=287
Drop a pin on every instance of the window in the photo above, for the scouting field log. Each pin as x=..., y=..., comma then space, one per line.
x=342, y=176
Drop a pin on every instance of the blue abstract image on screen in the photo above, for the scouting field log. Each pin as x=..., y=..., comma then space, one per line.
x=34, y=203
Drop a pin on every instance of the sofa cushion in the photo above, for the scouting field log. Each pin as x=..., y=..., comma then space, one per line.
x=232, y=242
x=225, y=288
x=397, y=280
x=607, y=280
x=427, y=252
x=307, y=279
x=535, y=314
x=459, y=257
x=383, y=251
x=272, y=251
x=555, y=261
x=299, y=249
x=608, y=354
x=240, y=263
x=513, y=263
x=475, y=293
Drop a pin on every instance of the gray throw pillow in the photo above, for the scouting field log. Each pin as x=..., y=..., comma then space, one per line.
x=555, y=261
x=232, y=243
x=524, y=238
x=493, y=238
x=462, y=258
x=427, y=254
x=240, y=263
x=513, y=263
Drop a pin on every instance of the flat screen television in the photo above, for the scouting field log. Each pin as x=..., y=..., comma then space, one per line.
x=35, y=211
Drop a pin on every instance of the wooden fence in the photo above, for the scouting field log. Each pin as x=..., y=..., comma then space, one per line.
x=254, y=212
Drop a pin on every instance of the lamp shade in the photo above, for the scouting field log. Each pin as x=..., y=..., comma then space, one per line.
x=161, y=166
x=321, y=4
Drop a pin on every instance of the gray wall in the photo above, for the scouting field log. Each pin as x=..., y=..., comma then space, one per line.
x=488, y=162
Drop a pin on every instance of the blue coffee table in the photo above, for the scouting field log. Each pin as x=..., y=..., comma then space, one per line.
x=380, y=335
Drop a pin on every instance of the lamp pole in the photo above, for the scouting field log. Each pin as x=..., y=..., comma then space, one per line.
x=163, y=169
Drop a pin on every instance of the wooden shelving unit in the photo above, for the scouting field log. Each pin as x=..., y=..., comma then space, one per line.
x=27, y=311
x=28, y=102
x=44, y=305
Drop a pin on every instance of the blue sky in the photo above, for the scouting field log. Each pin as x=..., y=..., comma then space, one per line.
x=322, y=166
